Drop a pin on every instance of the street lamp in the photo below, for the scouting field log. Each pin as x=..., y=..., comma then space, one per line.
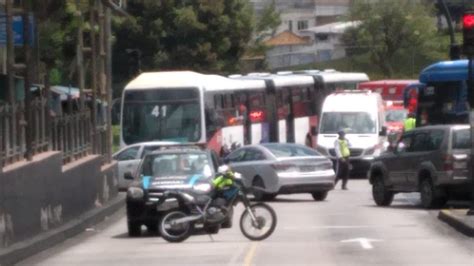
x=138, y=54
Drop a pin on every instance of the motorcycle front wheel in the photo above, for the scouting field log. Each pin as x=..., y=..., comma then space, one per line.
x=260, y=224
x=173, y=232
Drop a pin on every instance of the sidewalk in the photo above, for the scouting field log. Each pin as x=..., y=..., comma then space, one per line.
x=27, y=248
x=458, y=219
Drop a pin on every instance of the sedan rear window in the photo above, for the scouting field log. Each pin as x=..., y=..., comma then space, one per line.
x=285, y=150
x=462, y=139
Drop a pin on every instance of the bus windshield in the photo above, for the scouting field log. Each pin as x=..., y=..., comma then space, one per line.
x=166, y=114
x=350, y=122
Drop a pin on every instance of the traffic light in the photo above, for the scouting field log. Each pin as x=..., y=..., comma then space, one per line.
x=468, y=32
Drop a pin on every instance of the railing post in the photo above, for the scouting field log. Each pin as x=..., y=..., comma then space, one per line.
x=29, y=127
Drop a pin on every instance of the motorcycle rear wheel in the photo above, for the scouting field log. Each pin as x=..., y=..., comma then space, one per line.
x=175, y=233
x=264, y=225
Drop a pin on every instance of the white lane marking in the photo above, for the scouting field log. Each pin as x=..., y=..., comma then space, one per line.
x=329, y=227
x=364, y=242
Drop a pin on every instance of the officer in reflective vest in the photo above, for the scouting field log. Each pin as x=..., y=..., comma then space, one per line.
x=409, y=123
x=341, y=146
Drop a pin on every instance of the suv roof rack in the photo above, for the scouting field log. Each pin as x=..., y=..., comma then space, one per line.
x=183, y=146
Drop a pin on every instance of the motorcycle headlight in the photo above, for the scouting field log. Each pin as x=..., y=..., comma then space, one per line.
x=205, y=187
x=135, y=193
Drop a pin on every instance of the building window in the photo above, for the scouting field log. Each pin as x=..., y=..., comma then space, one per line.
x=302, y=24
x=290, y=25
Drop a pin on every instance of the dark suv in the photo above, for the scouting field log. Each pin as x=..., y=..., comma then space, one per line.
x=432, y=160
x=171, y=168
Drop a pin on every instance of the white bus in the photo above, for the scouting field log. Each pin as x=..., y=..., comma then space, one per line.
x=185, y=106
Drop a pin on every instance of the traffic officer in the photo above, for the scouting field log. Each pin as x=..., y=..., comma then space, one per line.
x=341, y=146
x=409, y=123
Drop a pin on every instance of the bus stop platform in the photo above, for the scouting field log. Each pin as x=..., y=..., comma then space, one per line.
x=459, y=220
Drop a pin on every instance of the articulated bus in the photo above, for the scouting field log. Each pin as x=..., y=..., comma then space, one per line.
x=442, y=96
x=190, y=107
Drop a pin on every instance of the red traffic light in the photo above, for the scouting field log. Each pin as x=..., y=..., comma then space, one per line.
x=468, y=21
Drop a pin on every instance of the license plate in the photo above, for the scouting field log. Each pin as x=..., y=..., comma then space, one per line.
x=307, y=168
x=460, y=165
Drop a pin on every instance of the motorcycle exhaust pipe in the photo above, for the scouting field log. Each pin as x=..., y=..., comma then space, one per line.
x=186, y=219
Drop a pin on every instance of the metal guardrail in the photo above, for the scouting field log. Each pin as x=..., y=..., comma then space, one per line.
x=12, y=133
x=71, y=134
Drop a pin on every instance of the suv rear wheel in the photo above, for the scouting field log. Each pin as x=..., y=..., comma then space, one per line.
x=382, y=196
x=431, y=197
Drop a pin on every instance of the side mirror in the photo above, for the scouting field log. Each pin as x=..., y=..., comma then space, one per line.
x=128, y=176
x=314, y=131
x=383, y=132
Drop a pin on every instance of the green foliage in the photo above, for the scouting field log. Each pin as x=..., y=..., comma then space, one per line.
x=392, y=30
x=268, y=22
x=202, y=35
x=407, y=65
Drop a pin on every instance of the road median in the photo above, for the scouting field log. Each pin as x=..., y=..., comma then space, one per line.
x=458, y=220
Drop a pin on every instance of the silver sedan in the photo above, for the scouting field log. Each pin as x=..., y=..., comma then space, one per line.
x=283, y=168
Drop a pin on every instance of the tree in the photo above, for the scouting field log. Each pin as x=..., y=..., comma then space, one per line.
x=268, y=22
x=391, y=30
x=202, y=35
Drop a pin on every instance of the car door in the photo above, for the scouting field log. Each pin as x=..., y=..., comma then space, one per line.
x=128, y=161
x=416, y=156
x=236, y=161
x=396, y=163
x=425, y=146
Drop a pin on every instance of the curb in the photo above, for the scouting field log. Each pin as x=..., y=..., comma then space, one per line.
x=456, y=222
x=24, y=249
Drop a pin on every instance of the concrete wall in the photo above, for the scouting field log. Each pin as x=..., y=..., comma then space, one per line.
x=43, y=194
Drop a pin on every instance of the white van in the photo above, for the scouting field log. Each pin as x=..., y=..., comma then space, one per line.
x=361, y=115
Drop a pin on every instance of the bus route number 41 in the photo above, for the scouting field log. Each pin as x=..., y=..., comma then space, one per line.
x=156, y=111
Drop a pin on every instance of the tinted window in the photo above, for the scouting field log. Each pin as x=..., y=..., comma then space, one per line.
x=350, y=122
x=236, y=156
x=395, y=115
x=177, y=164
x=282, y=150
x=161, y=115
x=462, y=139
x=420, y=142
x=436, y=139
x=253, y=155
x=128, y=154
x=404, y=144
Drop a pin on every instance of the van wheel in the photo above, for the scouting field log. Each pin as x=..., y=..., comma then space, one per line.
x=431, y=197
x=382, y=196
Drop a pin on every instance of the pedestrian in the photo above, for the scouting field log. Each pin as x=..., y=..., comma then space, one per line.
x=309, y=140
x=409, y=123
x=341, y=146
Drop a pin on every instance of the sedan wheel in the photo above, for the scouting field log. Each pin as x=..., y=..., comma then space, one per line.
x=320, y=195
x=258, y=194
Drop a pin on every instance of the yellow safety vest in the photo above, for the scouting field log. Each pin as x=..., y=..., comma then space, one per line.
x=409, y=124
x=344, y=147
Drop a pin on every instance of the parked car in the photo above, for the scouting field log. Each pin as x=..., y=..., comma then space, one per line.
x=432, y=160
x=283, y=169
x=183, y=168
x=129, y=158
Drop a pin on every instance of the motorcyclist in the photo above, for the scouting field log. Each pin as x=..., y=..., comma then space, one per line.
x=224, y=179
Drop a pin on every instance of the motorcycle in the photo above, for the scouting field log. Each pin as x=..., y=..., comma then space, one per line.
x=257, y=222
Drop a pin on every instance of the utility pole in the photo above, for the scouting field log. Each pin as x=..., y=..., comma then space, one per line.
x=468, y=49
